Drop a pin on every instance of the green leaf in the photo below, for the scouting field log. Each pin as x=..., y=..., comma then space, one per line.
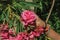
x=0, y=5
x=19, y=27
x=2, y=17
x=7, y=15
x=41, y=6
x=10, y=23
x=57, y=25
x=29, y=4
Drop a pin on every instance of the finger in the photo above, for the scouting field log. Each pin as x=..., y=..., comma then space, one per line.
x=39, y=21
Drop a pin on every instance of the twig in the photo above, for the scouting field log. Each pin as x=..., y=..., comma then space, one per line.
x=50, y=11
x=48, y=18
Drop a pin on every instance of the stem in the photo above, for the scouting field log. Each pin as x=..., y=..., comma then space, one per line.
x=48, y=18
x=50, y=11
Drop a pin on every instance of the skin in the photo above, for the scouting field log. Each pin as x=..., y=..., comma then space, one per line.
x=52, y=34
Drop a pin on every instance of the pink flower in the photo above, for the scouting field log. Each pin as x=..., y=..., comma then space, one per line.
x=31, y=35
x=35, y=34
x=28, y=17
x=22, y=36
x=11, y=31
x=12, y=38
x=4, y=35
x=19, y=37
x=5, y=39
x=4, y=27
x=4, y=31
x=41, y=30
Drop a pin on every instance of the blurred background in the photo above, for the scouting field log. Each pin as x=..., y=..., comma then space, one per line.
x=10, y=11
